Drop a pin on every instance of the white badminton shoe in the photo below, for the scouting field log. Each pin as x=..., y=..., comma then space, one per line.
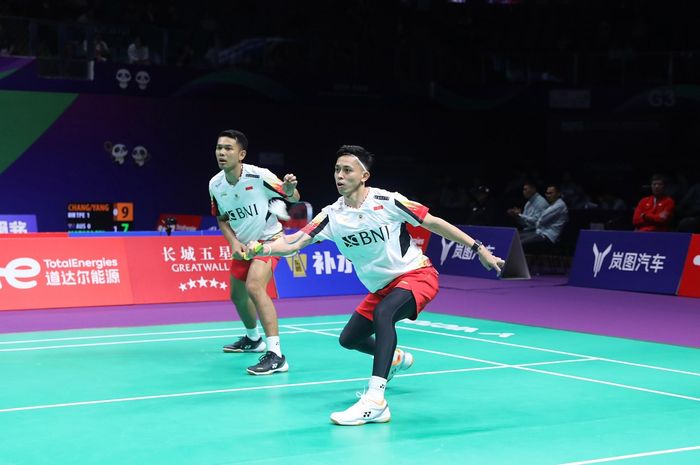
x=278, y=208
x=363, y=411
x=402, y=361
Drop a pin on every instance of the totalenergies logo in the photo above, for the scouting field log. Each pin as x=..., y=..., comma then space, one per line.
x=18, y=273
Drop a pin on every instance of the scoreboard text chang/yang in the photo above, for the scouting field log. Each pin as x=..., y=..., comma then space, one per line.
x=99, y=216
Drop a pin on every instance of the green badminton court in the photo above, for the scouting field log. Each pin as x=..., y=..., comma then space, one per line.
x=480, y=392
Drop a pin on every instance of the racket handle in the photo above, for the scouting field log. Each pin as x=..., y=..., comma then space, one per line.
x=256, y=250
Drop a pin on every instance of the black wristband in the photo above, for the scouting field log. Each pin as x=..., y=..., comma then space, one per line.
x=476, y=246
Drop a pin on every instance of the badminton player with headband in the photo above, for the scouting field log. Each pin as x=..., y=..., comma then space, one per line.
x=368, y=225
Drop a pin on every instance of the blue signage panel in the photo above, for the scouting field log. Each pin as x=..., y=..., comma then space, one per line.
x=631, y=261
x=17, y=224
x=209, y=223
x=453, y=258
x=319, y=269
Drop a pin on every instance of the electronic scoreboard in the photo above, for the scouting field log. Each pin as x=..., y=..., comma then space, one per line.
x=99, y=216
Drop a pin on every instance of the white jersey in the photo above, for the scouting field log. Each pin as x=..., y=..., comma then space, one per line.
x=246, y=203
x=373, y=237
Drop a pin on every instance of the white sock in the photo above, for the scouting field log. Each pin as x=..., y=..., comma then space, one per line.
x=273, y=344
x=252, y=334
x=376, y=388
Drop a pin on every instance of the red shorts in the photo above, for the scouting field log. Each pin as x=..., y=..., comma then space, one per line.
x=423, y=284
x=239, y=268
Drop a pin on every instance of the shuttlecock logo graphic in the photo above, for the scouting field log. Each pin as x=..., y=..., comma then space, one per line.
x=696, y=260
x=446, y=246
x=599, y=257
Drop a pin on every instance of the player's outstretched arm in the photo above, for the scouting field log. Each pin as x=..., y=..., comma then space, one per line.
x=453, y=233
x=285, y=245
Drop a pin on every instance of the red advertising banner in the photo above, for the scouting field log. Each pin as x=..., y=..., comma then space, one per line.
x=690, y=281
x=57, y=272
x=180, y=269
x=51, y=272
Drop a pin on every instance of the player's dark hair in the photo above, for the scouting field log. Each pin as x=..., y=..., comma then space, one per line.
x=365, y=157
x=658, y=177
x=237, y=135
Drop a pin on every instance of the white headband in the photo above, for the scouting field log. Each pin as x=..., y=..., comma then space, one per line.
x=360, y=162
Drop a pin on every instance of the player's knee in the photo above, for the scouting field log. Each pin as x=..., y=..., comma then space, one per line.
x=382, y=317
x=346, y=341
x=254, y=287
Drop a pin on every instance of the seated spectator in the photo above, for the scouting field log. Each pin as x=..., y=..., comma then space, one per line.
x=101, y=49
x=689, y=210
x=185, y=56
x=572, y=192
x=211, y=57
x=654, y=213
x=453, y=194
x=484, y=211
x=527, y=217
x=138, y=53
x=549, y=225
x=609, y=201
x=7, y=44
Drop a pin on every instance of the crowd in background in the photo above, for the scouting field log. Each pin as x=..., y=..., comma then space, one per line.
x=663, y=203
x=454, y=42
x=404, y=42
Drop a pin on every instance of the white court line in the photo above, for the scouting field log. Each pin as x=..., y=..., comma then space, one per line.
x=141, y=341
x=298, y=326
x=524, y=368
x=492, y=367
x=253, y=388
x=541, y=349
x=156, y=333
x=633, y=456
x=608, y=383
x=446, y=354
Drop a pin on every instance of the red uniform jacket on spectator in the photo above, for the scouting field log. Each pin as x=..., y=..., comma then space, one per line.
x=652, y=214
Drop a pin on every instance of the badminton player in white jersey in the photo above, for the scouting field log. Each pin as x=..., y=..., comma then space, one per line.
x=369, y=227
x=242, y=197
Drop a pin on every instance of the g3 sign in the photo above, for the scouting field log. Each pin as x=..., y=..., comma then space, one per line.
x=18, y=272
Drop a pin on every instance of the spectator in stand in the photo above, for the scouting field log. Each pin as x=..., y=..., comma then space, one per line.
x=484, y=211
x=185, y=56
x=655, y=212
x=138, y=53
x=101, y=48
x=211, y=57
x=527, y=217
x=689, y=210
x=549, y=225
x=609, y=201
x=573, y=194
x=7, y=44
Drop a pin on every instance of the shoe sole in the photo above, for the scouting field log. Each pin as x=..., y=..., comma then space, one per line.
x=283, y=369
x=239, y=351
x=379, y=419
x=400, y=369
x=260, y=348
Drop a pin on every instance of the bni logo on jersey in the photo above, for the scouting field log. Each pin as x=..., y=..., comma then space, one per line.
x=598, y=258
